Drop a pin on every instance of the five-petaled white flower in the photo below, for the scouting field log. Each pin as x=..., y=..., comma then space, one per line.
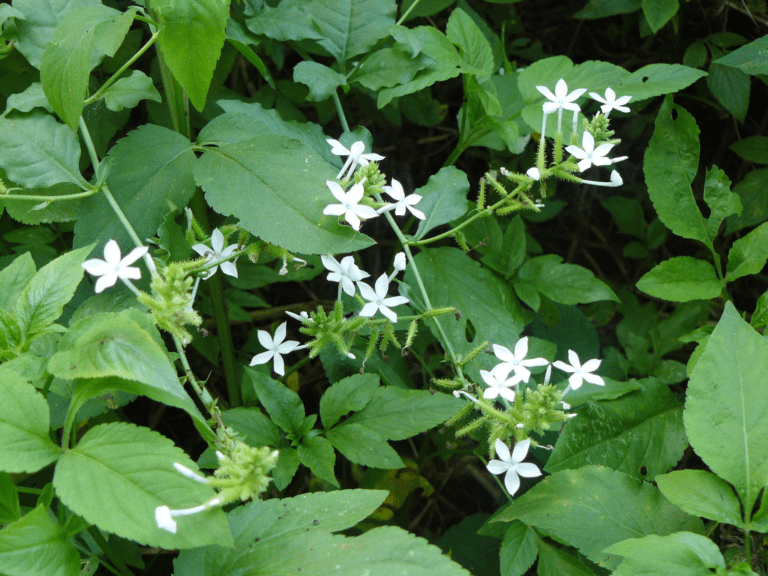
x=275, y=347
x=349, y=207
x=561, y=99
x=498, y=382
x=345, y=272
x=610, y=102
x=217, y=252
x=378, y=300
x=588, y=154
x=402, y=202
x=580, y=372
x=517, y=361
x=113, y=267
x=355, y=155
x=513, y=464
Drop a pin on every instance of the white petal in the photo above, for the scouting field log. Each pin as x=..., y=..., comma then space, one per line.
x=372, y=157
x=573, y=358
x=571, y=106
x=330, y=263
x=602, y=150
x=512, y=482
x=164, y=519
x=279, y=366
x=287, y=347
x=112, y=253
x=367, y=292
x=594, y=379
x=610, y=95
x=355, y=194
x=280, y=333
x=337, y=147
x=202, y=249
x=575, y=94
x=105, y=282
x=521, y=348
x=503, y=354
x=497, y=467
x=561, y=89
x=265, y=339
x=501, y=450
x=501, y=371
x=527, y=470
x=347, y=285
x=395, y=301
x=533, y=173
x=97, y=267
x=535, y=362
x=217, y=240
x=336, y=190
x=352, y=219
x=523, y=373
x=549, y=107
x=591, y=365
x=382, y=286
x=229, y=250
x=488, y=378
x=597, y=97
x=262, y=358
x=295, y=316
x=507, y=394
x=129, y=273
x=334, y=209
x=575, y=381
x=563, y=366
x=588, y=142
x=134, y=255
x=395, y=191
x=417, y=213
x=521, y=450
x=369, y=310
x=585, y=164
x=365, y=212
x=391, y=315
x=229, y=268
x=545, y=91
x=491, y=393
x=575, y=151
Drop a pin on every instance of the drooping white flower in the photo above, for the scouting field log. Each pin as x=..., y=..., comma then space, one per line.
x=217, y=252
x=355, y=155
x=275, y=347
x=516, y=360
x=513, y=464
x=559, y=101
x=184, y=471
x=533, y=173
x=164, y=516
x=301, y=316
x=378, y=300
x=499, y=383
x=579, y=372
x=114, y=267
x=615, y=181
x=345, y=272
x=402, y=202
x=588, y=154
x=349, y=205
x=610, y=102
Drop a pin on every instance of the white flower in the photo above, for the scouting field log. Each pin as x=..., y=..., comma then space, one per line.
x=498, y=383
x=349, y=207
x=113, y=267
x=517, y=361
x=615, y=181
x=378, y=301
x=513, y=464
x=610, y=102
x=355, y=156
x=580, y=373
x=217, y=252
x=184, y=471
x=533, y=173
x=164, y=515
x=301, y=316
x=275, y=347
x=402, y=202
x=588, y=154
x=561, y=99
x=345, y=272
x=400, y=262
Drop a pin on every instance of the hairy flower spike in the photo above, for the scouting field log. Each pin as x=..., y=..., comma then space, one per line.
x=244, y=473
x=171, y=303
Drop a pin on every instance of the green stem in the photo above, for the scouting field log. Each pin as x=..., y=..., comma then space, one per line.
x=101, y=542
x=32, y=198
x=408, y=12
x=89, y=143
x=340, y=112
x=202, y=393
x=748, y=548
x=121, y=216
x=24, y=490
x=122, y=69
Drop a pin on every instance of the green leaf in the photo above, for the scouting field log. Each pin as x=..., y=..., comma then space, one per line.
x=276, y=187
x=119, y=473
x=444, y=199
x=191, y=38
x=643, y=429
x=613, y=505
x=14, y=278
x=321, y=80
x=760, y=315
x=475, y=49
x=66, y=62
x=751, y=191
x=129, y=91
x=41, y=17
x=701, y=493
x=657, y=79
x=604, y=8
x=38, y=152
x=106, y=345
x=731, y=88
x=283, y=404
x=364, y=446
x=43, y=300
x=564, y=283
x=518, y=550
x=682, y=554
x=748, y=254
x=35, y=545
x=9, y=500
x=24, y=423
x=753, y=149
x=33, y=213
x=659, y=12
x=556, y=562
x=390, y=67
x=721, y=201
x=255, y=428
x=285, y=469
x=151, y=167
x=351, y=27
x=726, y=411
x=397, y=414
x=751, y=59
x=346, y=395
x=681, y=279
x=317, y=454
x=33, y=97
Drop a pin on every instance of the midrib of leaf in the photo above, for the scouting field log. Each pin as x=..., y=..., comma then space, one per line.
x=748, y=497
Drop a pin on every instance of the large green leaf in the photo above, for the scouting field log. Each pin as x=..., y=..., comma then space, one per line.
x=129, y=91
x=681, y=279
x=351, y=27
x=191, y=38
x=119, y=473
x=681, y=554
x=701, y=493
x=659, y=12
x=555, y=562
x=444, y=198
x=36, y=545
x=518, y=550
x=316, y=453
x=751, y=58
x=643, y=429
x=24, y=422
x=657, y=79
x=749, y=254
x=751, y=192
x=33, y=213
x=276, y=187
x=9, y=500
x=362, y=445
x=43, y=300
x=292, y=536
x=66, y=62
x=106, y=345
x=352, y=393
x=475, y=49
x=731, y=88
x=151, y=167
x=452, y=278
x=38, y=152
x=564, y=283
x=254, y=427
x=14, y=279
x=283, y=404
x=612, y=505
x=726, y=411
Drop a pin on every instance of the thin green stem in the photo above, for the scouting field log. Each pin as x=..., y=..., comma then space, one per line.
x=748, y=548
x=340, y=112
x=89, y=143
x=24, y=490
x=496, y=478
x=121, y=216
x=408, y=12
x=122, y=69
x=33, y=198
x=202, y=393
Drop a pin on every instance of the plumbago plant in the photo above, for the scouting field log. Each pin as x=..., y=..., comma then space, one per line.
x=169, y=167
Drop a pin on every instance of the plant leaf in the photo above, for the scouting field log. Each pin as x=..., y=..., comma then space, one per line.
x=659, y=12
x=701, y=493
x=682, y=554
x=346, y=395
x=317, y=454
x=444, y=198
x=748, y=254
x=129, y=91
x=681, y=279
x=284, y=406
x=14, y=278
x=564, y=283
x=751, y=59
x=364, y=446
x=321, y=80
